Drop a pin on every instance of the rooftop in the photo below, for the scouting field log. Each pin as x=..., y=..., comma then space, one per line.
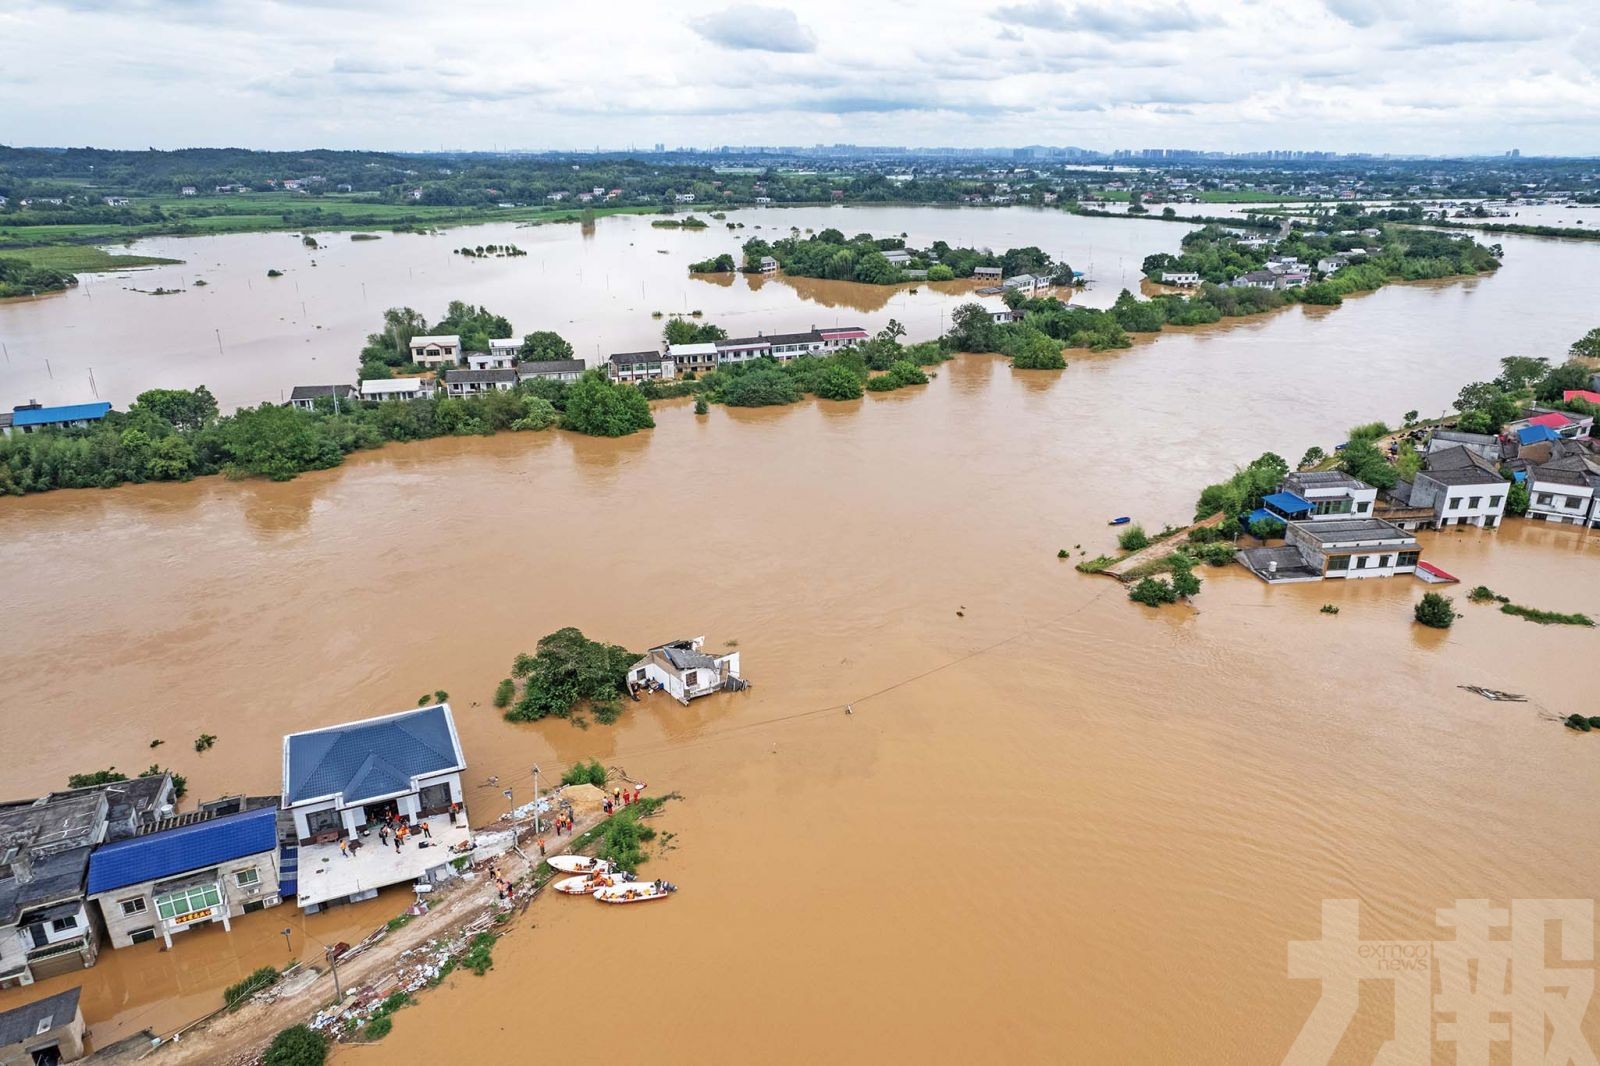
x=636, y=357
x=1281, y=565
x=1462, y=475
x=1573, y=470
x=370, y=759
x=382, y=385
x=552, y=366
x=440, y=339
x=1354, y=529
x=1304, y=481
x=1459, y=458
x=21, y=1024
x=312, y=392
x=195, y=846
x=1536, y=435
x=468, y=377
x=327, y=873
x=44, y=416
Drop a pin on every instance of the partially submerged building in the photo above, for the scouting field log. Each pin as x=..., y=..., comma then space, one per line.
x=1343, y=547
x=204, y=866
x=43, y=1033
x=342, y=783
x=683, y=671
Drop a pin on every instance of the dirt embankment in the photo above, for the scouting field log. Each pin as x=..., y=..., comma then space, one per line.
x=374, y=967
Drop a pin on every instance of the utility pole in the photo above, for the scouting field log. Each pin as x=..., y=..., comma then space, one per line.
x=507, y=795
x=287, y=942
x=333, y=964
x=536, y=826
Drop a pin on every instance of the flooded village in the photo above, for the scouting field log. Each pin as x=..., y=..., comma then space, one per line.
x=899, y=569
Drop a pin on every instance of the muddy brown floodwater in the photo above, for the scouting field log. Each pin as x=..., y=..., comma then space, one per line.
x=1057, y=827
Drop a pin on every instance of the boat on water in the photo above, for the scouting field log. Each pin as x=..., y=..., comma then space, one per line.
x=586, y=884
x=578, y=864
x=635, y=892
x=1120, y=520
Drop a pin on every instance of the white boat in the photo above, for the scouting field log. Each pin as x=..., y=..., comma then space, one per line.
x=578, y=864
x=583, y=884
x=635, y=892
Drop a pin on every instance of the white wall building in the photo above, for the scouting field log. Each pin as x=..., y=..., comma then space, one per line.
x=436, y=351
x=683, y=671
x=396, y=389
x=1563, y=491
x=1332, y=493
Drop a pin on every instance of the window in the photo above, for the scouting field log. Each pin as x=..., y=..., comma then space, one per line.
x=1494, y=501
x=1339, y=562
x=691, y=677
x=187, y=901
x=141, y=936
x=638, y=675
x=133, y=906
x=64, y=925
x=1361, y=562
x=247, y=878
x=1455, y=503
x=1408, y=558
x=1572, y=502
x=1474, y=502
x=1361, y=507
x=1383, y=560
x=1544, y=498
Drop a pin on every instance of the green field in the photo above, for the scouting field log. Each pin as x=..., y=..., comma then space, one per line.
x=70, y=246
x=80, y=258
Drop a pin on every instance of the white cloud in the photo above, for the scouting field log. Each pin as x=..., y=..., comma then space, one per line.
x=756, y=29
x=1395, y=75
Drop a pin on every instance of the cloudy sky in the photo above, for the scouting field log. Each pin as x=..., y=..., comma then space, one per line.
x=1339, y=75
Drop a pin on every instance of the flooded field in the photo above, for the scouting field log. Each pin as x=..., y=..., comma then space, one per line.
x=252, y=338
x=1056, y=827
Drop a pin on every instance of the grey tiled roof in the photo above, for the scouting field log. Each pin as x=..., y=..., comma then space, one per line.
x=1353, y=529
x=22, y=1024
x=551, y=366
x=376, y=757
x=468, y=377
x=1325, y=479
x=313, y=392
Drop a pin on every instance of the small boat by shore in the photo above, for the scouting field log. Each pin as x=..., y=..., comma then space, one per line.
x=635, y=892
x=1120, y=520
x=578, y=864
x=586, y=884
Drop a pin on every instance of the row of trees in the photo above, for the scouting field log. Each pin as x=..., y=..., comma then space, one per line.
x=175, y=434
x=830, y=254
x=20, y=278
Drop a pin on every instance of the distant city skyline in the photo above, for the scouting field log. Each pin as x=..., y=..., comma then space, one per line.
x=1478, y=77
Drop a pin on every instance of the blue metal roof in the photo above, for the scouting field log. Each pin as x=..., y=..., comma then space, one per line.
x=44, y=416
x=1536, y=434
x=1287, y=502
x=1519, y=475
x=189, y=847
x=366, y=760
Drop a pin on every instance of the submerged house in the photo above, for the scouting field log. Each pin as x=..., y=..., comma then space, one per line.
x=44, y=1032
x=342, y=783
x=204, y=866
x=683, y=671
x=32, y=417
x=305, y=397
x=1343, y=547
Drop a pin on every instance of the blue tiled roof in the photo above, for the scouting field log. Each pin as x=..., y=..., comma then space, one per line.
x=1287, y=502
x=365, y=760
x=41, y=416
x=1536, y=434
x=189, y=847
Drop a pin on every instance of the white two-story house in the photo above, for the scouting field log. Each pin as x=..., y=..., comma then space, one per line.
x=442, y=350
x=1563, y=490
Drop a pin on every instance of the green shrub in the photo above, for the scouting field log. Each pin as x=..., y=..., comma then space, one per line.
x=503, y=693
x=589, y=773
x=1218, y=554
x=258, y=980
x=1132, y=539
x=99, y=777
x=1153, y=592
x=1329, y=608
x=1435, y=611
x=1204, y=535
x=1546, y=618
x=377, y=1028
x=478, y=957
x=1266, y=528
x=1483, y=594
x=297, y=1045
x=1579, y=722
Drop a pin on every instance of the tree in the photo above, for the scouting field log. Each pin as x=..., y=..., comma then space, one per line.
x=565, y=670
x=874, y=269
x=1184, y=581
x=278, y=442
x=544, y=346
x=1572, y=375
x=1587, y=346
x=940, y=272
x=1435, y=611
x=1153, y=592
x=686, y=331
x=182, y=409
x=298, y=1045
x=1517, y=372
x=1362, y=459
x=836, y=382
x=476, y=326
x=1517, y=499
x=603, y=408
x=1029, y=260
x=760, y=384
x=1312, y=457
x=391, y=346
x=972, y=329
x=108, y=776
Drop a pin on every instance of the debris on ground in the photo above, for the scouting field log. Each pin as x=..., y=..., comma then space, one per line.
x=1495, y=694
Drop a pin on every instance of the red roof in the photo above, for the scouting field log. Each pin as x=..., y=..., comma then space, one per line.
x=1553, y=419
x=1582, y=394
x=1436, y=572
x=839, y=334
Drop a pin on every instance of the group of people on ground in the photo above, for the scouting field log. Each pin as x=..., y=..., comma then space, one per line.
x=621, y=798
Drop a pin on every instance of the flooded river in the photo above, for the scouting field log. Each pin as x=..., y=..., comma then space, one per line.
x=1057, y=827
